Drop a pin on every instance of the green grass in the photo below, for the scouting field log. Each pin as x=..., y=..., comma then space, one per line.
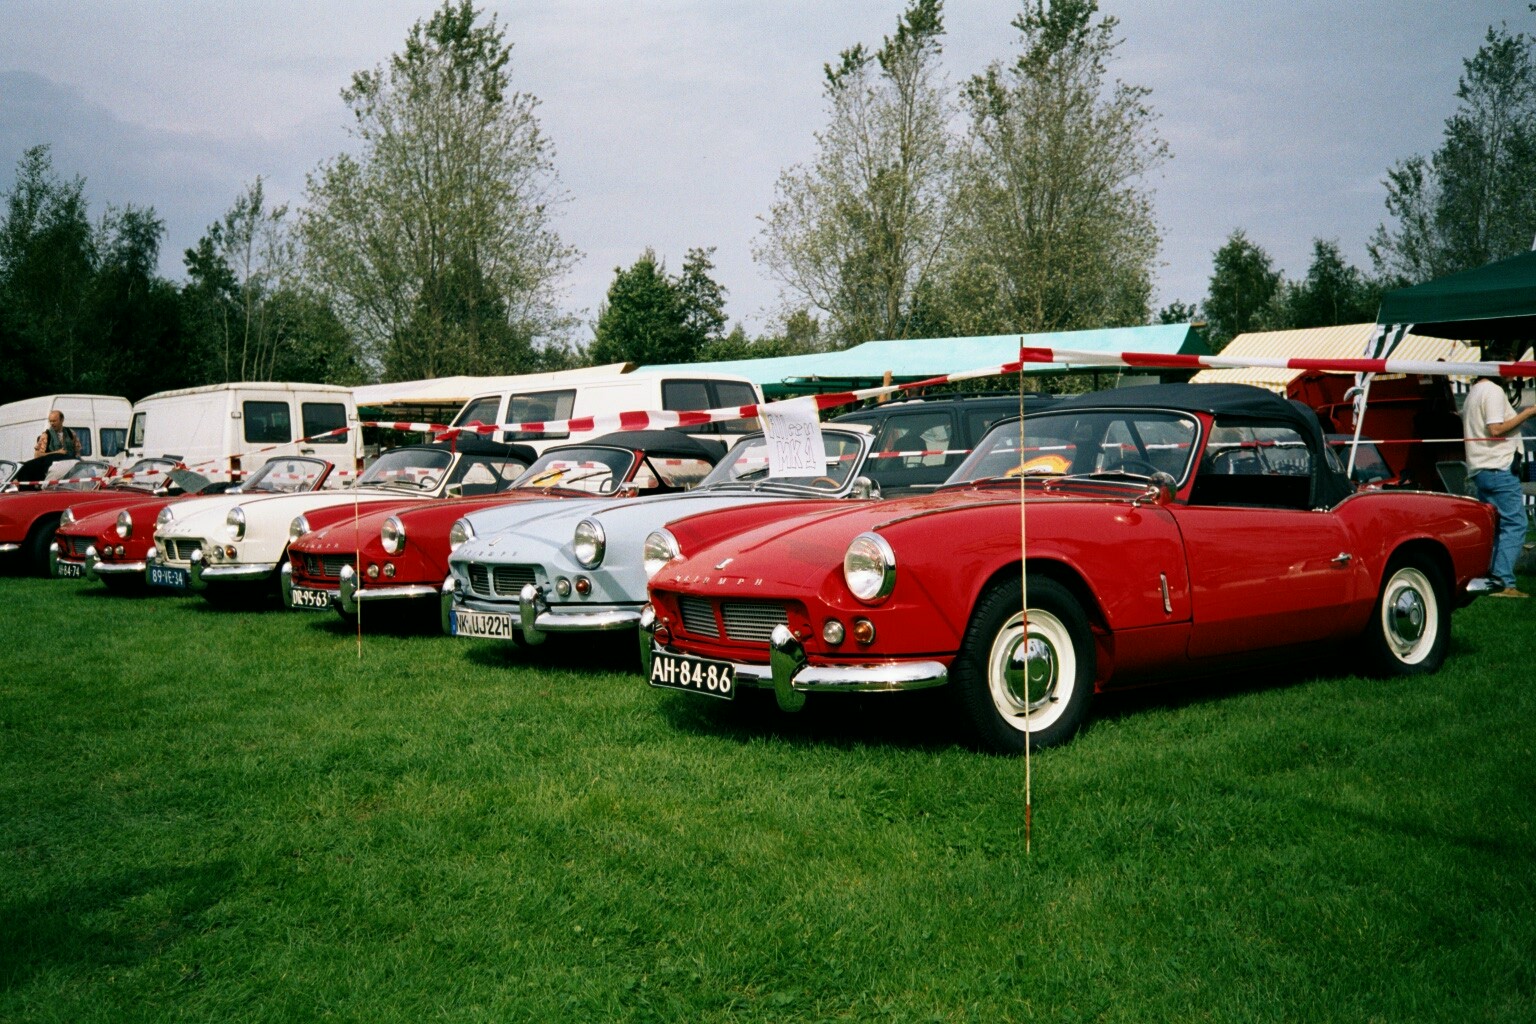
x=230, y=816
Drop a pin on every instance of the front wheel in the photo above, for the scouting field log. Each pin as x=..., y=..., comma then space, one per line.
x=1013, y=692
x=1411, y=623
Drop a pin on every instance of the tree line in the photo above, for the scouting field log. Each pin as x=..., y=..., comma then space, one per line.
x=1016, y=200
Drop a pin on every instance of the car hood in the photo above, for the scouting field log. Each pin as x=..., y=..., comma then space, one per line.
x=265, y=513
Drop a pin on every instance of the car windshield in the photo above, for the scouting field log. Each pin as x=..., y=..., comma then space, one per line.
x=747, y=465
x=594, y=470
x=409, y=469
x=77, y=476
x=1136, y=442
x=147, y=474
x=285, y=476
x=7, y=469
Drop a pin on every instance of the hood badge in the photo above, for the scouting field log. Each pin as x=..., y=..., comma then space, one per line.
x=728, y=561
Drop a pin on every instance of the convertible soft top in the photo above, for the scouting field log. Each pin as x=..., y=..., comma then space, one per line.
x=1227, y=401
x=665, y=443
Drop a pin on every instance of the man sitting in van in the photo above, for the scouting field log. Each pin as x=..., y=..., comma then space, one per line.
x=57, y=439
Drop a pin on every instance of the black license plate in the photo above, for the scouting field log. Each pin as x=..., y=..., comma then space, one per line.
x=696, y=675
x=490, y=625
x=71, y=570
x=166, y=576
x=304, y=597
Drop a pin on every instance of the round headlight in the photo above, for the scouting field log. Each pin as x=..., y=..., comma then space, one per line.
x=458, y=533
x=588, y=543
x=660, y=548
x=869, y=568
x=164, y=518
x=298, y=528
x=234, y=523
x=68, y=518
x=124, y=524
x=392, y=534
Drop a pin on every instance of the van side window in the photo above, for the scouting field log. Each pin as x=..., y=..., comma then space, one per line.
x=112, y=440
x=481, y=410
x=136, y=431
x=85, y=442
x=540, y=407
x=267, y=422
x=322, y=418
x=688, y=395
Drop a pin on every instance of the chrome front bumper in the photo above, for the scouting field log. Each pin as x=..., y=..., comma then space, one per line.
x=349, y=593
x=535, y=619
x=792, y=677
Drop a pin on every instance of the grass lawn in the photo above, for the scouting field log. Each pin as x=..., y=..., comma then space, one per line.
x=209, y=815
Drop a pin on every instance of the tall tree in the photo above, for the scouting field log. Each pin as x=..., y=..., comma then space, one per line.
x=1058, y=231
x=1474, y=200
x=1332, y=293
x=652, y=317
x=435, y=240
x=1243, y=285
x=856, y=234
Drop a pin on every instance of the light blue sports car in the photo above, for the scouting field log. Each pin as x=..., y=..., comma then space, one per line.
x=582, y=565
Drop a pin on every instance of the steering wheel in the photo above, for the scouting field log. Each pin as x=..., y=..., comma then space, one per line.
x=1234, y=462
x=827, y=480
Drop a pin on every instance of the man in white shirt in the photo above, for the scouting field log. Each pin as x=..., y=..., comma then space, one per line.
x=1490, y=429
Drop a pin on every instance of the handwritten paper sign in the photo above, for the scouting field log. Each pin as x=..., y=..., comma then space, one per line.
x=793, y=432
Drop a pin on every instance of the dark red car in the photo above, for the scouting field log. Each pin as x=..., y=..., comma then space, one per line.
x=30, y=518
x=1172, y=530
x=404, y=548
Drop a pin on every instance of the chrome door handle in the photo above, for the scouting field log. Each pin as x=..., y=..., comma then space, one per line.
x=1342, y=558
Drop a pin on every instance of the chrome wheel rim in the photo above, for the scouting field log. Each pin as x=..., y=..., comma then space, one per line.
x=1410, y=620
x=1032, y=685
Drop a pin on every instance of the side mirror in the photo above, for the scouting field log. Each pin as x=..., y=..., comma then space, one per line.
x=1161, y=489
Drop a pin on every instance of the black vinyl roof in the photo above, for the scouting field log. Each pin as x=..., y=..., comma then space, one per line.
x=479, y=444
x=672, y=443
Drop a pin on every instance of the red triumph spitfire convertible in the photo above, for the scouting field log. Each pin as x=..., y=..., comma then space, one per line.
x=1172, y=530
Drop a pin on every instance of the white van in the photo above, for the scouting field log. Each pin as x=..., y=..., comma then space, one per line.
x=673, y=390
x=100, y=421
x=224, y=431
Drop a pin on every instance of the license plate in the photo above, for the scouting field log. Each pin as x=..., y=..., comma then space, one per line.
x=166, y=576
x=71, y=570
x=303, y=597
x=697, y=675
x=494, y=625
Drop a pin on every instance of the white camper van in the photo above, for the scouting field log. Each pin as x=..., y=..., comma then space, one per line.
x=100, y=421
x=673, y=390
x=225, y=431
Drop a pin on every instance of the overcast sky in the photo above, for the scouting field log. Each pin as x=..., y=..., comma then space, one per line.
x=672, y=119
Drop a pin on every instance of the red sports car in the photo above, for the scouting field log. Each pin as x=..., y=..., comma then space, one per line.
x=29, y=519
x=1171, y=530
x=404, y=548
x=108, y=540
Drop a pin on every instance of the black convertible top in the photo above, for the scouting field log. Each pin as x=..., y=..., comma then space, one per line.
x=479, y=444
x=665, y=443
x=1229, y=401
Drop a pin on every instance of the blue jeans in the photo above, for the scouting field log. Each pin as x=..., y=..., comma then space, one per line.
x=1499, y=488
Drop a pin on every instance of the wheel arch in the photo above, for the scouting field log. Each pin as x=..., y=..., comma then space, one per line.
x=1073, y=582
x=1421, y=548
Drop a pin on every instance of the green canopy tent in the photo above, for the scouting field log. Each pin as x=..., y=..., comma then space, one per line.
x=1492, y=303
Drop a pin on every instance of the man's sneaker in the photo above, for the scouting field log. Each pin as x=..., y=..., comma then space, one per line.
x=1509, y=592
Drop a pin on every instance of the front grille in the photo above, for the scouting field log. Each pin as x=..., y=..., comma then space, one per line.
x=71, y=547
x=698, y=616
x=327, y=565
x=752, y=620
x=179, y=549
x=499, y=580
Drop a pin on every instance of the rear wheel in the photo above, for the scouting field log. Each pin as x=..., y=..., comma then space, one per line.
x=1013, y=692
x=1411, y=624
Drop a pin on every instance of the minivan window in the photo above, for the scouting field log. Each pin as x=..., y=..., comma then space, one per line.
x=481, y=410
x=112, y=440
x=136, y=431
x=322, y=418
x=540, y=407
x=689, y=395
x=267, y=422
x=85, y=442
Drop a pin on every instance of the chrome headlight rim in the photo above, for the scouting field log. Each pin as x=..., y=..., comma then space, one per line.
x=234, y=523
x=124, y=525
x=869, y=568
x=392, y=535
x=660, y=548
x=460, y=532
x=67, y=518
x=165, y=517
x=589, y=543
x=298, y=527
